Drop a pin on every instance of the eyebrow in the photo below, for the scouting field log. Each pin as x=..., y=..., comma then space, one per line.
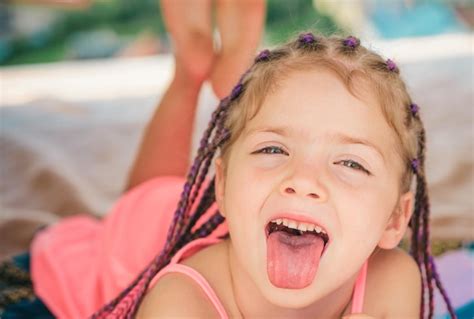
x=335, y=136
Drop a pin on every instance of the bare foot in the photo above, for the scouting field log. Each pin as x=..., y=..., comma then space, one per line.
x=240, y=25
x=190, y=26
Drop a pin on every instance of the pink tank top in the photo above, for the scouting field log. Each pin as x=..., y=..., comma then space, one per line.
x=82, y=262
x=174, y=266
x=191, y=248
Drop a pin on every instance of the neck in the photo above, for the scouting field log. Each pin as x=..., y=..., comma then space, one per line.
x=251, y=303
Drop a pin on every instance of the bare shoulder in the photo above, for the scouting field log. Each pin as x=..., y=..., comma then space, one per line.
x=393, y=284
x=176, y=295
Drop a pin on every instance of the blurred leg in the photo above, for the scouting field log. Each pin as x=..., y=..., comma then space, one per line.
x=240, y=24
x=189, y=22
x=166, y=142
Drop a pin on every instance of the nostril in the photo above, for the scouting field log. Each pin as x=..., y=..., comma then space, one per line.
x=314, y=195
x=290, y=190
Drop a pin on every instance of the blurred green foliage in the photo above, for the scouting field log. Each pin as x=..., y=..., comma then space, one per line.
x=128, y=18
x=287, y=18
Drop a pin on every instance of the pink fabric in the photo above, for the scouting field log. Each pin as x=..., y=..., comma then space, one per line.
x=174, y=266
x=81, y=263
x=191, y=248
x=359, y=290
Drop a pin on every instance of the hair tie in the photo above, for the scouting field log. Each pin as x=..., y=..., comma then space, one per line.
x=415, y=163
x=391, y=66
x=351, y=42
x=414, y=109
x=307, y=38
x=236, y=91
x=263, y=56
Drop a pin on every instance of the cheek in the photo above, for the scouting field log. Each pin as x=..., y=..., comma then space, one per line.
x=242, y=201
x=363, y=214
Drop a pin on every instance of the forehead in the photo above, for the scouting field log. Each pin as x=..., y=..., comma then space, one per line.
x=316, y=104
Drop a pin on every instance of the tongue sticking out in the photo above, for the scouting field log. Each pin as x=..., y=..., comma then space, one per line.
x=292, y=260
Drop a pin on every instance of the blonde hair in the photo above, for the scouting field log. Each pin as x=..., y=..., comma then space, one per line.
x=358, y=68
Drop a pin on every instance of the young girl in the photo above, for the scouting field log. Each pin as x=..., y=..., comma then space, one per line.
x=317, y=147
x=75, y=266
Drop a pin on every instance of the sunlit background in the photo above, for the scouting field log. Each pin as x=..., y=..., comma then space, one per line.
x=80, y=79
x=115, y=28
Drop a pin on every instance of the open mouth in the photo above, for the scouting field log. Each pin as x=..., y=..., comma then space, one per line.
x=275, y=226
x=294, y=251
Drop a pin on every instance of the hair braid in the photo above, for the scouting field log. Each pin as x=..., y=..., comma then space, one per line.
x=126, y=303
x=441, y=289
x=212, y=147
x=417, y=234
x=207, y=200
x=421, y=232
x=426, y=230
x=209, y=226
x=203, y=156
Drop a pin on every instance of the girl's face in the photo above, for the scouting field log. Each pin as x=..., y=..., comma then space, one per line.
x=313, y=150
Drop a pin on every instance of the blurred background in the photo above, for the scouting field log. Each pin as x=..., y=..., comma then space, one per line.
x=79, y=79
x=49, y=31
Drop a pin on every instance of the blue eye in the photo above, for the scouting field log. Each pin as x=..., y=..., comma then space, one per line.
x=271, y=150
x=354, y=165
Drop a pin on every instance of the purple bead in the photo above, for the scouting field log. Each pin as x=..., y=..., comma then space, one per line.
x=391, y=65
x=415, y=163
x=263, y=55
x=236, y=91
x=351, y=41
x=414, y=108
x=307, y=38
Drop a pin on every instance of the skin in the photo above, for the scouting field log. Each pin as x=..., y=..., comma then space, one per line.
x=240, y=25
x=308, y=174
x=235, y=268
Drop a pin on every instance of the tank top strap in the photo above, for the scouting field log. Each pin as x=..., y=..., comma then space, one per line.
x=200, y=280
x=175, y=266
x=359, y=290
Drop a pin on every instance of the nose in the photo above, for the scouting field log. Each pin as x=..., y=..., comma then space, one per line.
x=306, y=183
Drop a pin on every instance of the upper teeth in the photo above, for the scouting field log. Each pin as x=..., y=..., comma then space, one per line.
x=299, y=225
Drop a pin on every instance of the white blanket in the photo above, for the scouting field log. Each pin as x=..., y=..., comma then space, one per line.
x=70, y=130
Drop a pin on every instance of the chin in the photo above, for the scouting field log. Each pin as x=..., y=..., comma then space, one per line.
x=291, y=298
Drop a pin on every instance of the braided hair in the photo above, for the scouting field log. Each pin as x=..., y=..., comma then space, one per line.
x=354, y=64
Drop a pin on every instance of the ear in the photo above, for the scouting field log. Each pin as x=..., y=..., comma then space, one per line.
x=219, y=184
x=398, y=222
